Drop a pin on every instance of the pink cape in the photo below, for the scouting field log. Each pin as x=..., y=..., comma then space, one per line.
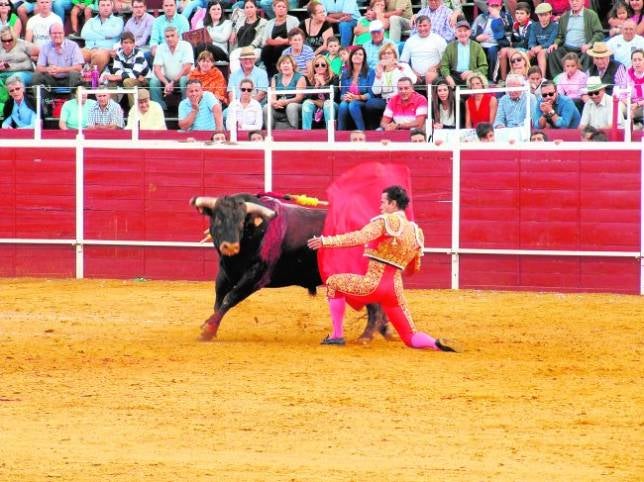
x=354, y=199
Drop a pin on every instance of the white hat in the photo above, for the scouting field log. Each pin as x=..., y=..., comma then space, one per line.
x=376, y=26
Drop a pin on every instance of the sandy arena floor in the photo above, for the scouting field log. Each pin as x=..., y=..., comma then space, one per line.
x=104, y=380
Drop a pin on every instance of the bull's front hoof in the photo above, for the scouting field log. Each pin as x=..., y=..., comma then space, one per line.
x=208, y=332
x=364, y=340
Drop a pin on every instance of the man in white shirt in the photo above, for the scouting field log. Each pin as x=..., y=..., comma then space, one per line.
x=424, y=50
x=622, y=45
x=598, y=110
x=172, y=64
x=37, y=30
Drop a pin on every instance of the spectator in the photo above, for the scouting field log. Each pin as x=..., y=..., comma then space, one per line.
x=286, y=107
x=172, y=64
x=170, y=18
x=15, y=56
x=355, y=90
x=150, y=114
x=211, y=78
x=345, y=13
x=248, y=112
x=140, y=24
x=463, y=57
x=333, y=55
x=538, y=136
x=635, y=80
x=572, y=80
x=518, y=39
x=276, y=36
x=637, y=7
x=318, y=106
x=19, y=110
x=535, y=79
x=519, y=63
x=256, y=136
x=248, y=70
x=417, y=136
x=129, y=67
x=37, y=29
x=188, y=8
x=485, y=132
x=358, y=136
x=9, y=18
x=105, y=114
x=598, y=110
x=622, y=45
x=100, y=34
x=553, y=110
x=219, y=138
x=587, y=133
x=248, y=31
x=424, y=51
x=385, y=84
x=399, y=13
x=489, y=31
x=405, y=110
x=610, y=71
x=316, y=28
x=579, y=28
x=512, y=110
x=80, y=7
x=443, y=105
x=375, y=13
x=441, y=18
x=69, y=112
x=377, y=41
x=59, y=62
x=616, y=18
x=200, y=110
x=542, y=36
x=301, y=53
x=479, y=107
x=220, y=30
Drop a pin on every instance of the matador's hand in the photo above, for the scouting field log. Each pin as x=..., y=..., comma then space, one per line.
x=314, y=243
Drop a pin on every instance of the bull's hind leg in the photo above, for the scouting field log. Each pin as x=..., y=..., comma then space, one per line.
x=376, y=322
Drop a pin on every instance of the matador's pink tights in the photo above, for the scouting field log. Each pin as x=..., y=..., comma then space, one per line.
x=337, y=307
x=404, y=328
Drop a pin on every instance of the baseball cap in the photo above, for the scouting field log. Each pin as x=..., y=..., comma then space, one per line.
x=463, y=23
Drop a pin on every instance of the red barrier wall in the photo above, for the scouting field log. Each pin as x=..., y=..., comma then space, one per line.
x=543, y=200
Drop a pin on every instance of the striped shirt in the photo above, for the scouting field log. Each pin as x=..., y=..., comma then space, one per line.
x=111, y=115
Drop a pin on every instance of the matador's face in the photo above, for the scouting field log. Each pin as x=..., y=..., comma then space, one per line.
x=387, y=206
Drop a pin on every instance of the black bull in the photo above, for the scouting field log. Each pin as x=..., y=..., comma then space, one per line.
x=262, y=244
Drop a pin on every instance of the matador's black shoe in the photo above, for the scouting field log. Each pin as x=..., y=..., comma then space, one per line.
x=333, y=341
x=445, y=345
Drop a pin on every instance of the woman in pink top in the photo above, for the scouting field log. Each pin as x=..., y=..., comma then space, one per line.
x=635, y=80
x=572, y=81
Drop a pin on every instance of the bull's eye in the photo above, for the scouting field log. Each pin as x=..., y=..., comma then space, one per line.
x=217, y=222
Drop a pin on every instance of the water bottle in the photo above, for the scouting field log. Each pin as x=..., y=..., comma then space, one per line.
x=95, y=76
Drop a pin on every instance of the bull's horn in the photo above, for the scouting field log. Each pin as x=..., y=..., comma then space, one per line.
x=253, y=208
x=204, y=202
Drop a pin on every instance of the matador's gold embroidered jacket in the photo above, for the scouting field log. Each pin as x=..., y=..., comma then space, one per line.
x=389, y=238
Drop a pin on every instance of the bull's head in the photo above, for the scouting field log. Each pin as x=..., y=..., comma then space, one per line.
x=228, y=214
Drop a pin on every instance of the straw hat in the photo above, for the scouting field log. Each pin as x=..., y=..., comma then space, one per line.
x=599, y=49
x=247, y=52
x=594, y=84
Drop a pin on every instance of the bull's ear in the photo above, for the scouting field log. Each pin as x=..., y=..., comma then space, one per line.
x=204, y=204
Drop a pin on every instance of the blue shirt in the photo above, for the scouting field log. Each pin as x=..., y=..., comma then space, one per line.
x=21, y=116
x=512, y=113
x=102, y=34
x=575, y=36
x=462, y=57
x=205, y=118
x=364, y=83
x=160, y=23
x=342, y=6
x=542, y=36
x=568, y=116
x=257, y=75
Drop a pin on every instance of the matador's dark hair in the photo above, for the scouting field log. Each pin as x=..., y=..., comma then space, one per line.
x=398, y=194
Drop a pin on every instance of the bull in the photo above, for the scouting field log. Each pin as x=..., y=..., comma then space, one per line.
x=261, y=243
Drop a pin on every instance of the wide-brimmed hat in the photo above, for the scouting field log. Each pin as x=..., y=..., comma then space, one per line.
x=544, y=7
x=247, y=52
x=594, y=83
x=599, y=49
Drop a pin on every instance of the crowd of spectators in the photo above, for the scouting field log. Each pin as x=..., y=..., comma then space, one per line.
x=382, y=61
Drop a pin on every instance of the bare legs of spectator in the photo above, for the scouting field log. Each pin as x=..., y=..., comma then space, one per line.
x=98, y=57
x=398, y=25
x=542, y=60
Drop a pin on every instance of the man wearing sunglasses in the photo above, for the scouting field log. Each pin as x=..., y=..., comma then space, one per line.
x=598, y=110
x=19, y=110
x=553, y=110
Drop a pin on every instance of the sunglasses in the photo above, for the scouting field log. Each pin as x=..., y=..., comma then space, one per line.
x=246, y=89
x=15, y=89
x=320, y=65
x=548, y=94
x=594, y=93
x=7, y=40
x=4, y=4
x=516, y=59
